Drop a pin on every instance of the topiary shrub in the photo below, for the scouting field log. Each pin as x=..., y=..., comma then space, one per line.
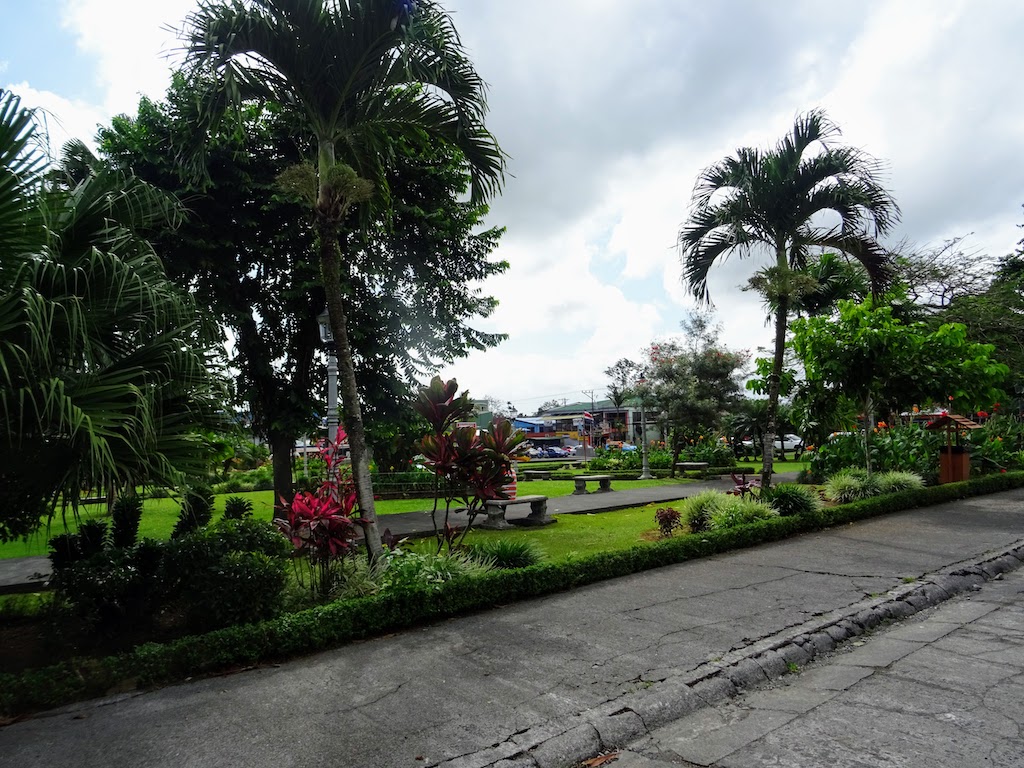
x=507, y=553
x=243, y=588
x=196, y=510
x=125, y=515
x=792, y=499
x=200, y=568
x=237, y=508
x=894, y=482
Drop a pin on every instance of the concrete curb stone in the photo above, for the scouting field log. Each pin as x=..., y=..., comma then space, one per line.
x=629, y=717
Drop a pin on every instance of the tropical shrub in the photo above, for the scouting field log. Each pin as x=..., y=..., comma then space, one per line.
x=791, y=499
x=738, y=510
x=903, y=448
x=850, y=485
x=471, y=467
x=125, y=517
x=196, y=510
x=243, y=588
x=506, y=553
x=237, y=508
x=406, y=569
x=894, y=482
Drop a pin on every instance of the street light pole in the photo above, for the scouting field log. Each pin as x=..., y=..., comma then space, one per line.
x=646, y=473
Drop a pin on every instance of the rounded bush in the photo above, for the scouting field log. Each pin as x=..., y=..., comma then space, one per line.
x=792, y=499
x=244, y=588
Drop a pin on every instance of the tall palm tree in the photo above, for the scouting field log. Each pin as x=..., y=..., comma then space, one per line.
x=104, y=370
x=359, y=73
x=779, y=201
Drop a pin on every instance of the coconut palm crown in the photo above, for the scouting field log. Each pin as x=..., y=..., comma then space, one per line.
x=786, y=201
x=357, y=74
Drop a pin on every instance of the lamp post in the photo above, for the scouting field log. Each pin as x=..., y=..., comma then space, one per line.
x=327, y=337
x=646, y=473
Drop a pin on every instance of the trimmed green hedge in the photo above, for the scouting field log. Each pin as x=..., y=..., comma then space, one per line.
x=338, y=623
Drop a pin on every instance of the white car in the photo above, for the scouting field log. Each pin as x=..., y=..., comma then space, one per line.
x=786, y=443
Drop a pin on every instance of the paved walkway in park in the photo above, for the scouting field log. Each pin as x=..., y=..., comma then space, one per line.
x=652, y=662
x=27, y=574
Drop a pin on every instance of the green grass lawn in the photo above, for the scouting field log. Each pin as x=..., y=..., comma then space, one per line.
x=160, y=515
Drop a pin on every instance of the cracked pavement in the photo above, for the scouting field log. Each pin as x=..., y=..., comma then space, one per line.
x=545, y=682
x=942, y=688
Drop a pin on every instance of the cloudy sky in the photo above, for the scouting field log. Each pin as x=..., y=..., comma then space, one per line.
x=609, y=110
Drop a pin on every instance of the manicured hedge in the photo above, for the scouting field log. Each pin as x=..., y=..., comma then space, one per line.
x=338, y=623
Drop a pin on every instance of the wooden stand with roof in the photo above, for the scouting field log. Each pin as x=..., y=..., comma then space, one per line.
x=954, y=460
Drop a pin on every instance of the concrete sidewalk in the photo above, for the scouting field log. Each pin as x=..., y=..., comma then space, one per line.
x=942, y=688
x=552, y=681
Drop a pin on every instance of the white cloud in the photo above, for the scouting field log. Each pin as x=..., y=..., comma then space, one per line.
x=64, y=119
x=610, y=110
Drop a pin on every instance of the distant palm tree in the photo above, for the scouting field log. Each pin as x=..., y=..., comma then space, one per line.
x=360, y=74
x=105, y=369
x=775, y=200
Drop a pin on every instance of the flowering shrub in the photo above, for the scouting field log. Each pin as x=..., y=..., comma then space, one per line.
x=320, y=527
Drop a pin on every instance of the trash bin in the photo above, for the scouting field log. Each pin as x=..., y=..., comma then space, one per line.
x=954, y=464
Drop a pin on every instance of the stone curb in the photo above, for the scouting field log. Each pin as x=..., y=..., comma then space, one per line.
x=633, y=715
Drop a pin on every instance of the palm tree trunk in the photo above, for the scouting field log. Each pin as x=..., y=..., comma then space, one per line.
x=330, y=211
x=774, y=383
x=281, y=447
x=330, y=261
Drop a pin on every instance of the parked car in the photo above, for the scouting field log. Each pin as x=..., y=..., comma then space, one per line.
x=788, y=442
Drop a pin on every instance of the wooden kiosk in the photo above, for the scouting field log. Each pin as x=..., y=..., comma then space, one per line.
x=954, y=460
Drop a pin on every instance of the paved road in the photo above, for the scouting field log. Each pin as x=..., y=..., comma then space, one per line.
x=551, y=681
x=943, y=688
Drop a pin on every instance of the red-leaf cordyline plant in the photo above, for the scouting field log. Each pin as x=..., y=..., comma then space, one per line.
x=320, y=525
x=470, y=468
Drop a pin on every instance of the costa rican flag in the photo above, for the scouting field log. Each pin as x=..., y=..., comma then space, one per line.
x=586, y=415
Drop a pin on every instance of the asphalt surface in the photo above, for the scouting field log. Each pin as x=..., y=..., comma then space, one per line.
x=554, y=681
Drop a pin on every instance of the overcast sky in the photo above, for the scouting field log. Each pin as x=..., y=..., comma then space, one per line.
x=609, y=110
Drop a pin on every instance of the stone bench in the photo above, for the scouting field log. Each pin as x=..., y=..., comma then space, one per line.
x=693, y=466
x=536, y=474
x=495, y=509
x=604, y=483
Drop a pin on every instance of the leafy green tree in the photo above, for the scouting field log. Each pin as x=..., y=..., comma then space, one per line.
x=107, y=375
x=691, y=386
x=244, y=251
x=996, y=316
x=873, y=358
x=775, y=200
x=362, y=73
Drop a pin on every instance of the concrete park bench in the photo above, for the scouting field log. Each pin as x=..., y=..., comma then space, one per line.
x=693, y=466
x=536, y=474
x=604, y=483
x=496, y=513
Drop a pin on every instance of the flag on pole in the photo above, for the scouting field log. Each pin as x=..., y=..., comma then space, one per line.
x=586, y=415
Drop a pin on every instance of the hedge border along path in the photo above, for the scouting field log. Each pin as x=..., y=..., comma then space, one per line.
x=335, y=624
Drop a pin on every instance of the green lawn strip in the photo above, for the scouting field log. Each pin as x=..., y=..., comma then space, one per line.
x=343, y=621
x=160, y=515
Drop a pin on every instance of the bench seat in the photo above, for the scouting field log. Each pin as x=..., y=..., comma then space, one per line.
x=604, y=483
x=496, y=513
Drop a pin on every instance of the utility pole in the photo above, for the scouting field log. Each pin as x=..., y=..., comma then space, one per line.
x=591, y=393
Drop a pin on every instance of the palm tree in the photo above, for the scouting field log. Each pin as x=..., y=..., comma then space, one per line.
x=776, y=200
x=360, y=74
x=104, y=367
